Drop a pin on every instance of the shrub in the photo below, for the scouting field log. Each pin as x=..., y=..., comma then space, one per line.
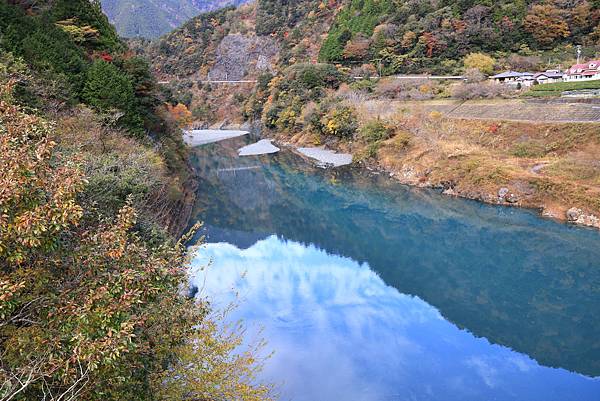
x=305, y=76
x=364, y=71
x=85, y=301
x=369, y=152
x=480, y=61
x=311, y=118
x=528, y=149
x=407, y=89
x=473, y=75
x=287, y=118
x=364, y=85
x=204, y=113
x=482, y=90
x=401, y=140
x=300, y=83
x=341, y=122
x=375, y=131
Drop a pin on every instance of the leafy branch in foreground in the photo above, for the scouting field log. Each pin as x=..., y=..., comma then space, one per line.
x=89, y=309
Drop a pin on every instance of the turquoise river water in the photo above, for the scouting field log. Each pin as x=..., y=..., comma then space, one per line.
x=369, y=290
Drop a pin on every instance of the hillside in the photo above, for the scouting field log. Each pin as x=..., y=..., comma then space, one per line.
x=433, y=36
x=154, y=18
x=366, y=37
x=252, y=41
x=402, y=36
x=304, y=54
x=95, y=193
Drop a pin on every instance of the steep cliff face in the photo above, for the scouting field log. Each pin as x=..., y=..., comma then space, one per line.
x=237, y=55
x=236, y=44
x=154, y=18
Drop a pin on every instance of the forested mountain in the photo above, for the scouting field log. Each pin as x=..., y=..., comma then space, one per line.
x=369, y=37
x=95, y=191
x=399, y=36
x=413, y=35
x=153, y=18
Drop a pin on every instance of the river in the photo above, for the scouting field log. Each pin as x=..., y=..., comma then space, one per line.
x=366, y=289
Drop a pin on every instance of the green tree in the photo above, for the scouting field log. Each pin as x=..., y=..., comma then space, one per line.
x=88, y=13
x=109, y=90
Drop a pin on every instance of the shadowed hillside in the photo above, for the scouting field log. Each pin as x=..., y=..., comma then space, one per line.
x=154, y=18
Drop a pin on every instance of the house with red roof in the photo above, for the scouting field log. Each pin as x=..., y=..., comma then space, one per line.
x=584, y=72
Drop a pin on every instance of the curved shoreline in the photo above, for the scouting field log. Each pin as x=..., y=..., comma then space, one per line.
x=581, y=220
x=504, y=197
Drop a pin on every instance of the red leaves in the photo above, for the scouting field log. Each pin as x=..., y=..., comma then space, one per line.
x=106, y=57
x=493, y=128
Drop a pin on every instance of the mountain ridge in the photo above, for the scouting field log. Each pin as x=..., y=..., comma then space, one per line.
x=154, y=18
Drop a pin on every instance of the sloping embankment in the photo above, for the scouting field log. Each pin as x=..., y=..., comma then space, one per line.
x=532, y=110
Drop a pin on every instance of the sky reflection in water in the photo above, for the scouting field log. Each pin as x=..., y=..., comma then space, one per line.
x=373, y=291
x=340, y=333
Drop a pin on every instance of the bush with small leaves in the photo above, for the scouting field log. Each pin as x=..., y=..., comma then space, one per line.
x=341, y=122
x=376, y=131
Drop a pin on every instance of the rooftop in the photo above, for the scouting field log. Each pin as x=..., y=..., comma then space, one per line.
x=507, y=74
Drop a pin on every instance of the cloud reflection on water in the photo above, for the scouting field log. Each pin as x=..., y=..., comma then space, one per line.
x=340, y=333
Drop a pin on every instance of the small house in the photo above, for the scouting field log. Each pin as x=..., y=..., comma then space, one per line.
x=506, y=77
x=584, y=72
x=548, y=77
x=526, y=79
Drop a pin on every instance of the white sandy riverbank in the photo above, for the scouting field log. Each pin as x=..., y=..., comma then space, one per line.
x=262, y=147
x=204, y=136
x=327, y=158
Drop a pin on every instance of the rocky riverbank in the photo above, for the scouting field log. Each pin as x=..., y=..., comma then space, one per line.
x=552, y=168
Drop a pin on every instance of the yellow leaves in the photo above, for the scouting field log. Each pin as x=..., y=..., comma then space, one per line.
x=79, y=34
x=37, y=194
x=332, y=126
x=216, y=365
x=179, y=113
x=435, y=115
x=480, y=61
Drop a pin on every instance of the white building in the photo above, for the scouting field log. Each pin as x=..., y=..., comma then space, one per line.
x=584, y=72
x=514, y=78
x=549, y=76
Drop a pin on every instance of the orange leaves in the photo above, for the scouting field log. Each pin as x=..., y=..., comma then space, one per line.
x=114, y=238
x=408, y=40
x=179, y=113
x=431, y=42
x=357, y=48
x=37, y=193
x=546, y=24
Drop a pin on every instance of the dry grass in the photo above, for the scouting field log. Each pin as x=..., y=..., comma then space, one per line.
x=116, y=166
x=551, y=166
x=556, y=166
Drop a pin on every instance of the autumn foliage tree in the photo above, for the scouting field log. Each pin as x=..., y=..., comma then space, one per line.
x=179, y=114
x=546, y=24
x=89, y=309
x=479, y=61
